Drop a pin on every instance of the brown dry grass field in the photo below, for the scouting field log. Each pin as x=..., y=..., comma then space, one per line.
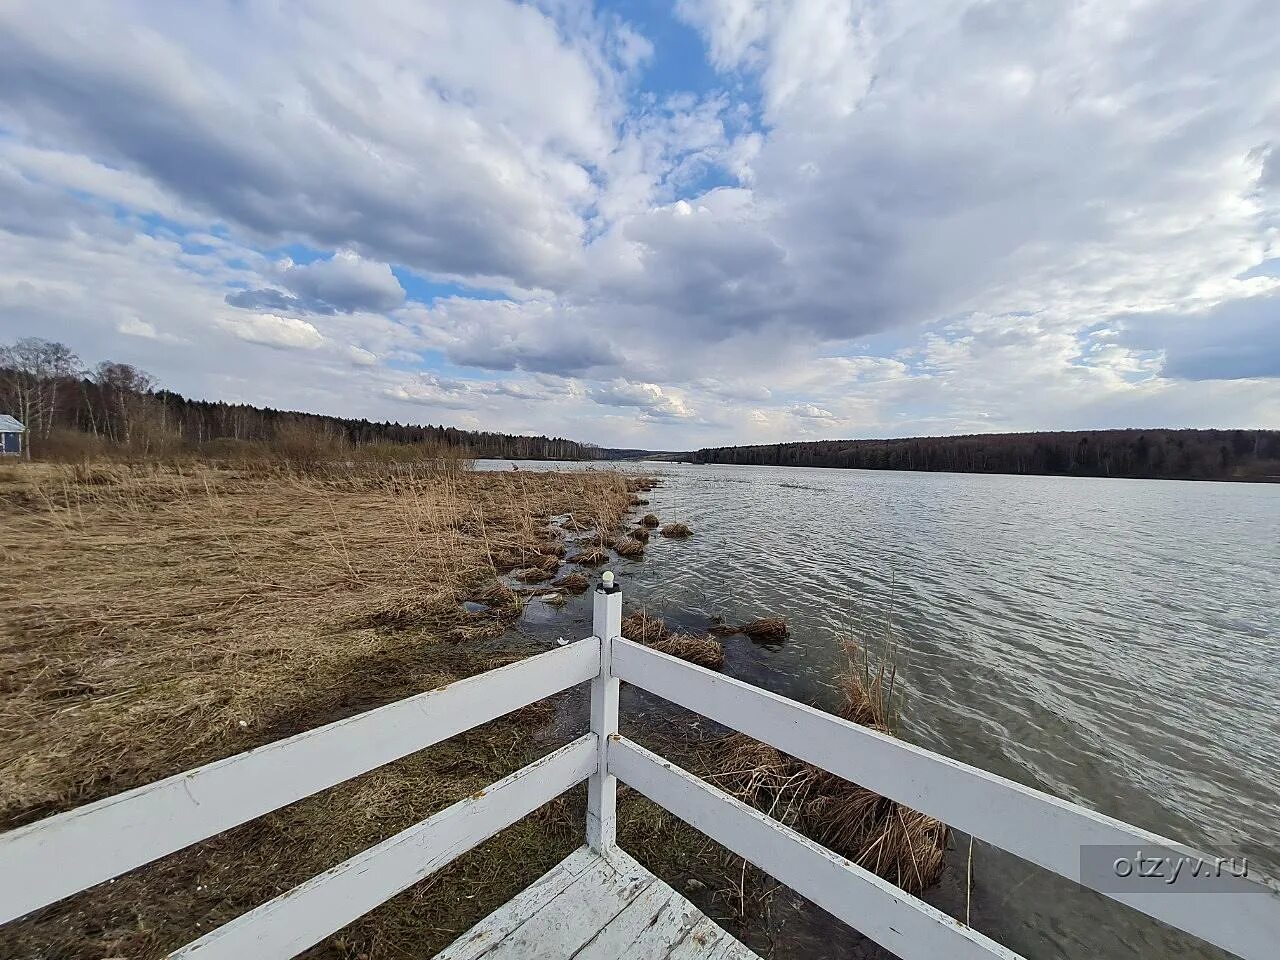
x=155, y=617
x=158, y=617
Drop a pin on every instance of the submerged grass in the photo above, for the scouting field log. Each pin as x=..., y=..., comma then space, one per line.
x=159, y=617
x=897, y=843
x=628, y=547
x=653, y=632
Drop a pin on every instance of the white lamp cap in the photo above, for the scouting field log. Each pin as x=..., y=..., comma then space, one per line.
x=607, y=579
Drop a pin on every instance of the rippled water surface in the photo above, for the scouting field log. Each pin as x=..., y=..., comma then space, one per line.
x=1113, y=642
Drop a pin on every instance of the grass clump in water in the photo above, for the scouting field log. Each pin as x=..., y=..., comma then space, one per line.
x=769, y=628
x=649, y=520
x=628, y=547
x=576, y=582
x=895, y=842
x=676, y=531
x=653, y=633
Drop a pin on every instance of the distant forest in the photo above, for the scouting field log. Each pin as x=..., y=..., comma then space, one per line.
x=46, y=386
x=1170, y=454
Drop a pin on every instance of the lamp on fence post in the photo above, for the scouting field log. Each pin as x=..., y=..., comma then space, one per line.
x=602, y=788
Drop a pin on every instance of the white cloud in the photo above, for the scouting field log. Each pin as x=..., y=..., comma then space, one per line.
x=345, y=282
x=945, y=215
x=286, y=333
x=134, y=327
x=809, y=411
x=651, y=398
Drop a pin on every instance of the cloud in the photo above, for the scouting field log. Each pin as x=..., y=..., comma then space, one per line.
x=1233, y=340
x=270, y=330
x=345, y=282
x=359, y=110
x=135, y=327
x=454, y=393
x=651, y=398
x=265, y=298
x=809, y=411
x=535, y=335
x=865, y=217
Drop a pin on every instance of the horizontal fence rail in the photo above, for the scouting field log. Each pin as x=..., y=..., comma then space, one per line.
x=897, y=921
x=64, y=854
x=61, y=855
x=308, y=913
x=1033, y=825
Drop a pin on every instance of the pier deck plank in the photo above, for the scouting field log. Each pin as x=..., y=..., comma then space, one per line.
x=590, y=907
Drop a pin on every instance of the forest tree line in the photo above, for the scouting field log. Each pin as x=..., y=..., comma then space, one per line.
x=1171, y=454
x=69, y=408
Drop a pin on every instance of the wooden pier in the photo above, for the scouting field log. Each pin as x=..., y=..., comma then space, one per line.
x=599, y=902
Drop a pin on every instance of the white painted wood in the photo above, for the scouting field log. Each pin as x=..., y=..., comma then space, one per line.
x=564, y=927
x=612, y=910
x=481, y=938
x=325, y=904
x=63, y=854
x=1035, y=826
x=602, y=791
x=908, y=927
x=706, y=940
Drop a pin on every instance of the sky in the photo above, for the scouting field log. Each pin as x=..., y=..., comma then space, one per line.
x=658, y=225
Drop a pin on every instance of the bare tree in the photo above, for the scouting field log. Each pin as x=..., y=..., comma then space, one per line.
x=31, y=372
x=124, y=390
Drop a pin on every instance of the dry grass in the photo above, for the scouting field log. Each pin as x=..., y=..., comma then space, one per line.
x=703, y=651
x=156, y=618
x=900, y=844
x=628, y=547
x=677, y=531
x=770, y=628
x=649, y=520
x=576, y=582
x=639, y=533
x=644, y=628
x=653, y=632
x=534, y=575
x=591, y=558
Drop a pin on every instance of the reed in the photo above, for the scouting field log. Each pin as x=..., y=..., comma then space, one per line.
x=161, y=615
x=703, y=651
x=628, y=547
x=576, y=582
x=768, y=628
x=643, y=627
x=895, y=842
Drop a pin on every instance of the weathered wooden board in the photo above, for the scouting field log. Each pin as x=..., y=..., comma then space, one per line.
x=61, y=855
x=614, y=908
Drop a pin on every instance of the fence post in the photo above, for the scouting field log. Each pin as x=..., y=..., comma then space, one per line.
x=603, y=787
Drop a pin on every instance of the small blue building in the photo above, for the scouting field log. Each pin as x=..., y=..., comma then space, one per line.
x=11, y=432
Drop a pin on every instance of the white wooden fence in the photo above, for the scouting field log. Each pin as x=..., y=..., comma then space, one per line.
x=64, y=854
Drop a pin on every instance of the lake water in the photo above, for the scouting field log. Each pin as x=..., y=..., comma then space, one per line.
x=1111, y=642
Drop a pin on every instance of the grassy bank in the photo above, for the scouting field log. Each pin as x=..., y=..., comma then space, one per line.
x=159, y=617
